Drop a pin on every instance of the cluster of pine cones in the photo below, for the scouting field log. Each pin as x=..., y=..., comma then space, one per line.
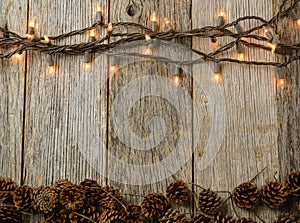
x=89, y=202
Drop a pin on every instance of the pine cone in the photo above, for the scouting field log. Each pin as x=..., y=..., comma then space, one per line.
x=292, y=182
x=209, y=202
x=92, y=191
x=72, y=197
x=246, y=195
x=134, y=214
x=23, y=197
x=60, y=215
x=45, y=199
x=110, y=198
x=112, y=216
x=245, y=220
x=223, y=219
x=6, y=189
x=59, y=185
x=201, y=219
x=89, y=212
x=154, y=205
x=288, y=218
x=274, y=194
x=9, y=214
x=178, y=192
x=173, y=215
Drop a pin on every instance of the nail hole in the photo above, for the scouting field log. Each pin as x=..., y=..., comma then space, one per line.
x=130, y=10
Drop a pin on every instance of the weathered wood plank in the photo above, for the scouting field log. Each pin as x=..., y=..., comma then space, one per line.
x=12, y=94
x=65, y=126
x=289, y=106
x=248, y=141
x=150, y=106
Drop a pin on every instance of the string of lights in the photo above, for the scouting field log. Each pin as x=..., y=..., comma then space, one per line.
x=264, y=36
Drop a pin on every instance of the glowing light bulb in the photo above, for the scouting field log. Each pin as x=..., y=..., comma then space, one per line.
x=99, y=8
x=153, y=17
x=273, y=47
x=218, y=77
x=114, y=69
x=298, y=22
x=92, y=33
x=18, y=57
x=177, y=79
x=87, y=66
x=148, y=38
x=241, y=56
x=46, y=39
x=32, y=23
x=110, y=27
x=148, y=51
x=222, y=13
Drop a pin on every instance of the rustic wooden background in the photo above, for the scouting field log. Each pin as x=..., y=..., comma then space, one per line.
x=48, y=121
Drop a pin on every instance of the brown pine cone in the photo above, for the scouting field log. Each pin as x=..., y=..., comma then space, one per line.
x=134, y=214
x=45, y=199
x=72, y=197
x=292, y=182
x=112, y=216
x=246, y=195
x=60, y=215
x=178, y=192
x=9, y=214
x=6, y=188
x=245, y=220
x=154, y=205
x=23, y=197
x=173, y=215
x=110, y=198
x=274, y=194
x=223, y=219
x=288, y=218
x=59, y=185
x=92, y=191
x=209, y=202
x=90, y=213
x=201, y=219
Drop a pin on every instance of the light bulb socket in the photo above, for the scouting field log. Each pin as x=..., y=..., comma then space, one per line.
x=50, y=60
x=269, y=35
x=239, y=47
x=154, y=26
x=177, y=71
x=31, y=30
x=275, y=38
x=99, y=16
x=280, y=73
x=293, y=15
x=153, y=44
x=239, y=28
x=220, y=21
x=217, y=68
x=87, y=57
x=92, y=38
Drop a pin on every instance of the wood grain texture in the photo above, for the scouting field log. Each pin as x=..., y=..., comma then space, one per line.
x=64, y=111
x=289, y=106
x=12, y=94
x=250, y=134
x=145, y=90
